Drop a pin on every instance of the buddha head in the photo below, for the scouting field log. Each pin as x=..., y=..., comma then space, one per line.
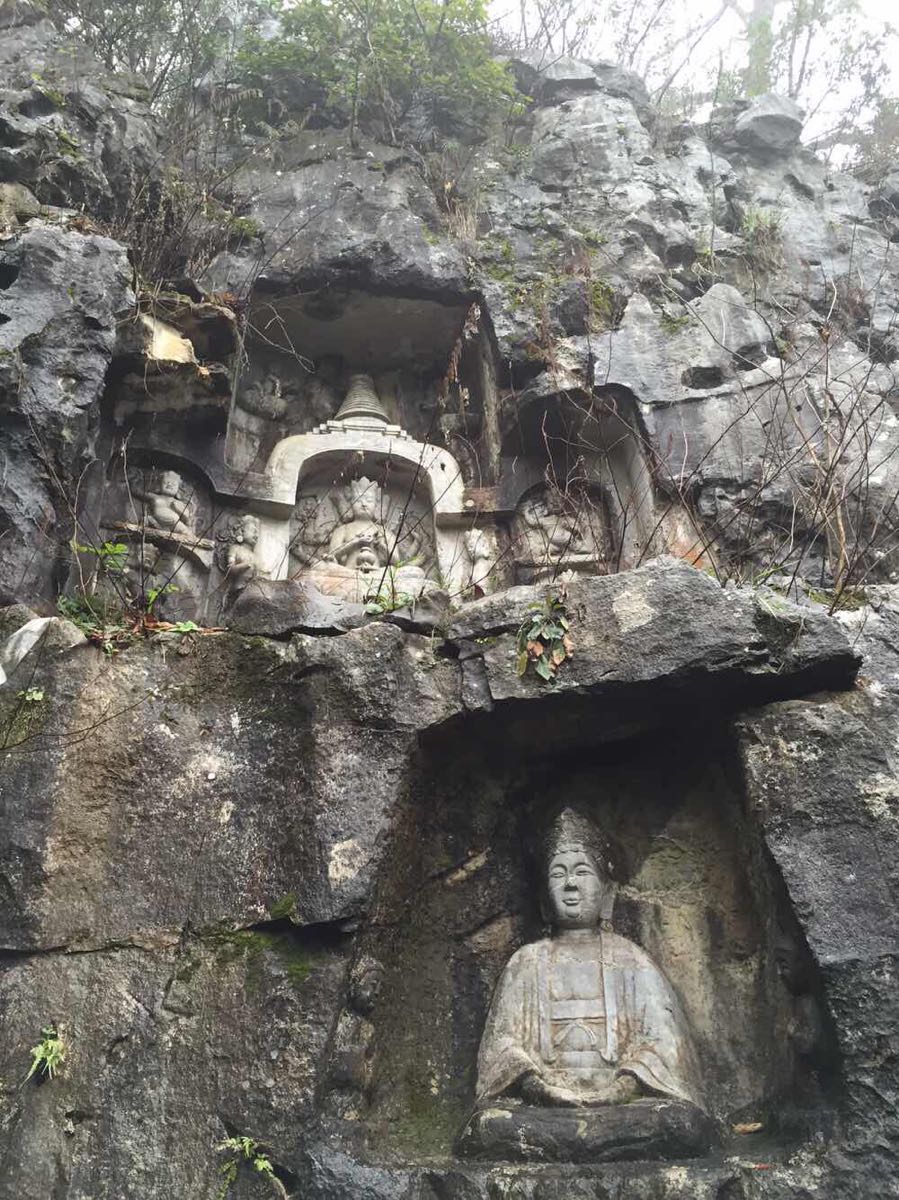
x=579, y=886
x=365, y=501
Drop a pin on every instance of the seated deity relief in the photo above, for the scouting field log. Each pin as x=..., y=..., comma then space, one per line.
x=555, y=532
x=184, y=555
x=361, y=538
x=165, y=502
x=586, y=1054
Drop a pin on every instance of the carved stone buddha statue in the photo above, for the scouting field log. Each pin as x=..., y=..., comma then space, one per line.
x=359, y=540
x=586, y=1053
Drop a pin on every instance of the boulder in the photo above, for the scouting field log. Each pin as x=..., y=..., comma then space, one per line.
x=770, y=124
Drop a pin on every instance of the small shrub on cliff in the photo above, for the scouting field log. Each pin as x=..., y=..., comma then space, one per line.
x=407, y=70
x=544, y=642
x=763, y=234
x=247, y=1150
x=48, y=1055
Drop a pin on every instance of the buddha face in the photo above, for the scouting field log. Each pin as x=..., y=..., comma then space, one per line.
x=576, y=889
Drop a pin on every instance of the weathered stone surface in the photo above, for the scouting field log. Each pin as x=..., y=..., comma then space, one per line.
x=139, y=718
x=548, y=75
x=38, y=639
x=336, y=214
x=73, y=133
x=646, y=1129
x=64, y=295
x=667, y=622
x=215, y=915
x=273, y=609
x=264, y=888
x=822, y=783
x=160, y=1029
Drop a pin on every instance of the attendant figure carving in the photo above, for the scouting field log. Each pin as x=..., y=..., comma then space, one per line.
x=237, y=551
x=558, y=531
x=264, y=398
x=551, y=533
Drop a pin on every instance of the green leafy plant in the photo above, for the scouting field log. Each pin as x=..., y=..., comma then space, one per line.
x=155, y=593
x=672, y=324
x=182, y=627
x=114, y=627
x=246, y=1151
x=544, y=642
x=111, y=556
x=101, y=623
x=388, y=597
x=48, y=1055
x=286, y=907
x=69, y=147
x=31, y=695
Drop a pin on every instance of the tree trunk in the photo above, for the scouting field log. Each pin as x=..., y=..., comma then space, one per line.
x=760, y=35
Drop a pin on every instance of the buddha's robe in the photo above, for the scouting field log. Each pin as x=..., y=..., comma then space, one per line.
x=580, y=1012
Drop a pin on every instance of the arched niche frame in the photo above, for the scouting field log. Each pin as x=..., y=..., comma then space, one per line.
x=355, y=451
x=598, y=444
x=161, y=508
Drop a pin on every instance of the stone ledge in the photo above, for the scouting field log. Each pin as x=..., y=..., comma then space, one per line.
x=666, y=625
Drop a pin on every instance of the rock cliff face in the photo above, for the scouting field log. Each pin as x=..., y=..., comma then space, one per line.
x=268, y=811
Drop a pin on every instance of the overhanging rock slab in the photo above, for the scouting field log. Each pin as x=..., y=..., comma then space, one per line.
x=655, y=633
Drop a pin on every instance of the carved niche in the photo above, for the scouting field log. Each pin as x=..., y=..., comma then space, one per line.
x=164, y=518
x=185, y=556
x=374, y=512
x=586, y=1052
x=556, y=532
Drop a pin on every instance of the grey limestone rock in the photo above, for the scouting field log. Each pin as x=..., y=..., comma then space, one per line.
x=73, y=133
x=263, y=880
x=769, y=123
x=763, y=639
x=550, y=76
x=339, y=215
x=647, y=1129
x=63, y=298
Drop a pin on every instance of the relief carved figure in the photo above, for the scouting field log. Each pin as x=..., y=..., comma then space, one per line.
x=165, y=581
x=264, y=398
x=360, y=539
x=586, y=1053
x=555, y=532
x=369, y=532
x=168, y=561
x=236, y=553
x=549, y=531
x=165, y=508
x=482, y=551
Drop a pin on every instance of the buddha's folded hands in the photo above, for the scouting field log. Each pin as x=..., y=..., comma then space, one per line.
x=535, y=1090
